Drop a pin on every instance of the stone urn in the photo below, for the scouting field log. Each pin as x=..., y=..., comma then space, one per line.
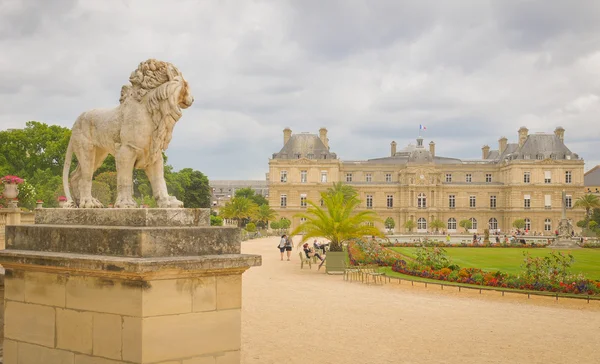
x=61, y=203
x=11, y=190
x=39, y=204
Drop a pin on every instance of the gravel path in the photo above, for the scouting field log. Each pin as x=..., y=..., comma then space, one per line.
x=306, y=316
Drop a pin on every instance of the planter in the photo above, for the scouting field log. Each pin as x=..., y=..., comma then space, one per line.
x=336, y=262
x=39, y=204
x=61, y=203
x=11, y=190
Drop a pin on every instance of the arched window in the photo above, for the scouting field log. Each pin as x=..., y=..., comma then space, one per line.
x=547, y=225
x=421, y=201
x=473, y=223
x=421, y=224
x=493, y=224
x=451, y=223
x=527, y=224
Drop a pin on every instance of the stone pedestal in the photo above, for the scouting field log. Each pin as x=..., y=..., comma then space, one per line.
x=564, y=240
x=112, y=286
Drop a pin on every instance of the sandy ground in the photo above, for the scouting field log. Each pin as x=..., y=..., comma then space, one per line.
x=306, y=316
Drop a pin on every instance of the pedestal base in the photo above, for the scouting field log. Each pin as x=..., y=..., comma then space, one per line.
x=120, y=306
x=562, y=243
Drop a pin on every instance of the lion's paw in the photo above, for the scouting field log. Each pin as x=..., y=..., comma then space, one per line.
x=126, y=203
x=90, y=203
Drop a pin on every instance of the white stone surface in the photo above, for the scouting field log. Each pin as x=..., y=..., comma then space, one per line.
x=136, y=133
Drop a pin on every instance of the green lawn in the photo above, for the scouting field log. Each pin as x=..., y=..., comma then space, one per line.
x=509, y=260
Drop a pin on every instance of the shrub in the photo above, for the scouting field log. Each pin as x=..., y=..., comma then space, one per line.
x=251, y=227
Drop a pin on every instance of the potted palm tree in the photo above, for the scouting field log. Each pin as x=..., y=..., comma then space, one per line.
x=337, y=221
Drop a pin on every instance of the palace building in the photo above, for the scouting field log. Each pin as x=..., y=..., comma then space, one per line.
x=521, y=180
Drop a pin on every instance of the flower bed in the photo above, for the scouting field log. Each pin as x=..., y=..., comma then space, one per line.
x=537, y=244
x=547, y=274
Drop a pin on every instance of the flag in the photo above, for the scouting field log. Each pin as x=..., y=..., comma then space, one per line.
x=422, y=127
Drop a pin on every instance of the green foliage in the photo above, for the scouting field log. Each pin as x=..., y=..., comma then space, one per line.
x=582, y=223
x=239, y=209
x=37, y=152
x=216, y=220
x=146, y=201
x=588, y=202
x=409, y=225
x=250, y=227
x=275, y=225
x=102, y=192
x=347, y=191
x=339, y=221
x=593, y=225
x=465, y=224
x=433, y=257
x=264, y=214
x=437, y=224
x=285, y=223
x=27, y=195
x=553, y=268
x=389, y=223
x=249, y=193
x=519, y=224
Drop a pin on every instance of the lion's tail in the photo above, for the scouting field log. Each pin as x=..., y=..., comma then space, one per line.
x=66, y=169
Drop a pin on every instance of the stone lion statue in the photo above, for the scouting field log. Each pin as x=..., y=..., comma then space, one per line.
x=136, y=133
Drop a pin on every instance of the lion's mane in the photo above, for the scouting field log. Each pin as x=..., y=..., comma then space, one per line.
x=156, y=84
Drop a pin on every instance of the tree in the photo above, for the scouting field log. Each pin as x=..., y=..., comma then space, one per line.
x=519, y=224
x=238, y=209
x=264, y=213
x=285, y=223
x=216, y=220
x=275, y=225
x=339, y=220
x=389, y=224
x=249, y=193
x=588, y=202
x=251, y=227
x=465, y=224
x=409, y=225
x=348, y=191
x=437, y=224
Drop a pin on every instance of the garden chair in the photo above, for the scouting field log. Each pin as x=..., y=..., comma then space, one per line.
x=351, y=272
x=369, y=272
x=304, y=259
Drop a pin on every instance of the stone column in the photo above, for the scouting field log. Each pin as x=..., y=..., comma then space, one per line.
x=113, y=286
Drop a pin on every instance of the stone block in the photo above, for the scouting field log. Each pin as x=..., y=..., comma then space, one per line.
x=74, y=330
x=229, y=357
x=132, y=339
x=104, y=295
x=124, y=217
x=167, y=297
x=189, y=335
x=14, y=285
x=229, y=292
x=205, y=294
x=34, y=354
x=10, y=351
x=106, y=335
x=30, y=323
x=45, y=288
x=85, y=359
x=141, y=242
x=201, y=360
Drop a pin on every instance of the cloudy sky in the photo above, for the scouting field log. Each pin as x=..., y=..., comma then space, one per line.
x=370, y=71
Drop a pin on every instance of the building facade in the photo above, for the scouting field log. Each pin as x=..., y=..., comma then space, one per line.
x=521, y=180
x=223, y=190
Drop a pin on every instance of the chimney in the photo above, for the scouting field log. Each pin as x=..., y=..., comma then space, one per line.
x=485, y=151
x=323, y=137
x=287, y=134
x=522, y=135
x=560, y=133
x=502, y=143
x=393, y=144
x=432, y=149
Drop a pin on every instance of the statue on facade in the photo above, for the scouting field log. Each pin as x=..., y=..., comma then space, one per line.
x=136, y=133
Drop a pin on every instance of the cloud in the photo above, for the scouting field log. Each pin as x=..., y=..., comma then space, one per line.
x=369, y=71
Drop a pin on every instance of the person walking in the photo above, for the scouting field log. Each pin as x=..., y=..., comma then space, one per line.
x=288, y=247
x=282, y=244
